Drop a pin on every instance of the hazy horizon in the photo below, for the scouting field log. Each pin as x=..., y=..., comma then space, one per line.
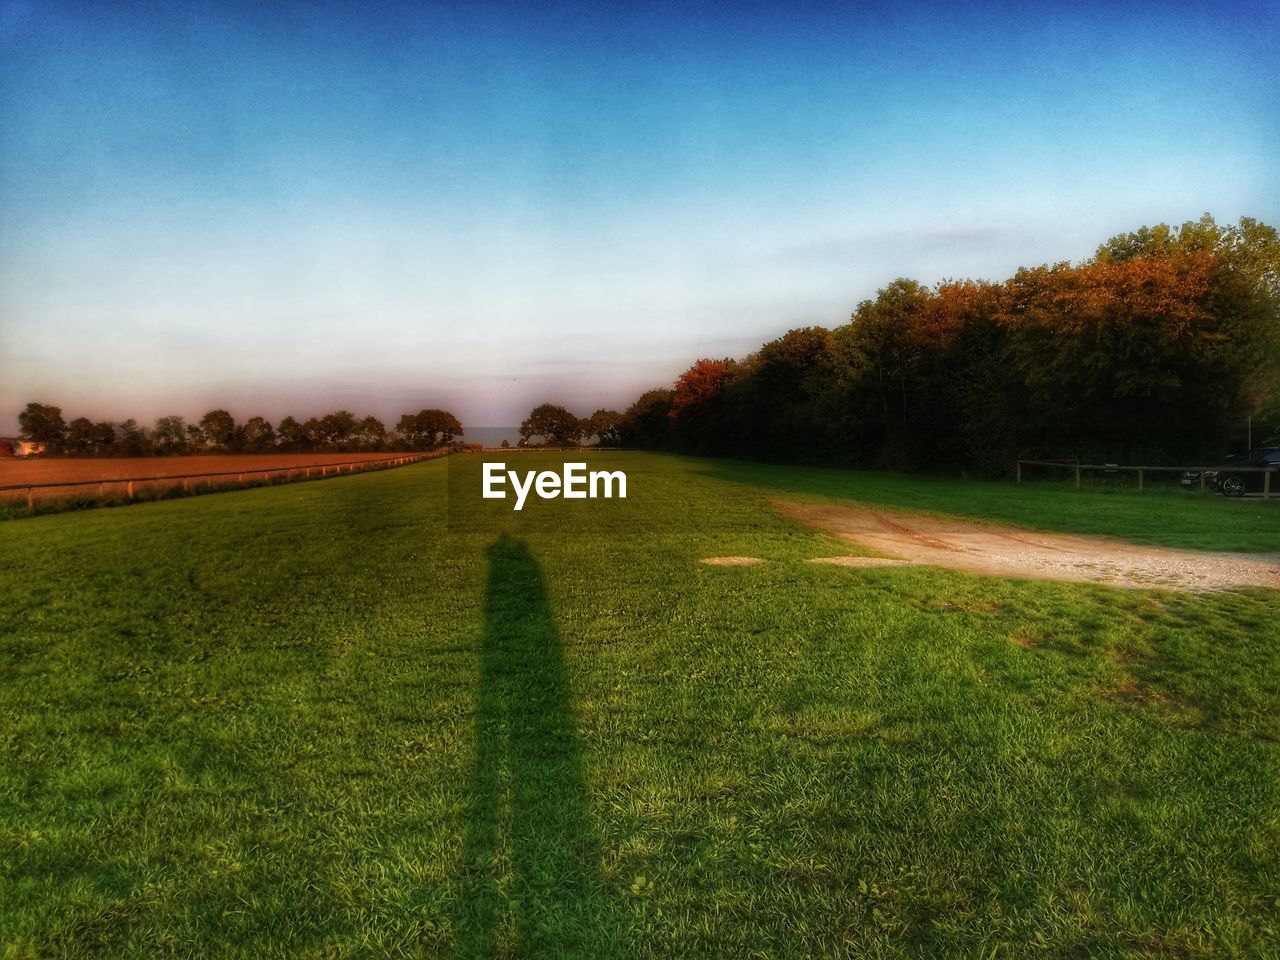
x=377, y=207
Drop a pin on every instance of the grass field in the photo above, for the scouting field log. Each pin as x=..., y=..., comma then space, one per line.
x=379, y=717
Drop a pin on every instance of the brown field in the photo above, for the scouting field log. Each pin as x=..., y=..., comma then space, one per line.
x=112, y=472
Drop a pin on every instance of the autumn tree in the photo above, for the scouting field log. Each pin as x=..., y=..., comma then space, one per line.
x=701, y=419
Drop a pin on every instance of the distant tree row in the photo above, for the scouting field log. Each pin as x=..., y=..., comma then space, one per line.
x=550, y=425
x=1160, y=347
x=218, y=432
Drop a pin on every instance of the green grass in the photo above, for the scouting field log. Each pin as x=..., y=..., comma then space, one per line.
x=1168, y=516
x=378, y=717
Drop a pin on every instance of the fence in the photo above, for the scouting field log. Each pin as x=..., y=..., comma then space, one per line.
x=516, y=449
x=1143, y=472
x=190, y=482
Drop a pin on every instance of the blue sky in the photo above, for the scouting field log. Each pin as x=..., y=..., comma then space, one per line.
x=291, y=208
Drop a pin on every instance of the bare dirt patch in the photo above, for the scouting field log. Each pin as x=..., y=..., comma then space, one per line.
x=1034, y=555
x=732, y=561
x=72, y=469
x=111, y=472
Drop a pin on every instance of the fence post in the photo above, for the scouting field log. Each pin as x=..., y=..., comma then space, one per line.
x=99, y=490
x=1019, y=480
x=1202, y=469
x=1266, y=485
x=1077, y=476
x=1139, y=479
x=130, y=491
x=30, y=499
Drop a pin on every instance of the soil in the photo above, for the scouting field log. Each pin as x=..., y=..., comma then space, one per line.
x=112, y=470
x=1032, y=554
x=732, y=561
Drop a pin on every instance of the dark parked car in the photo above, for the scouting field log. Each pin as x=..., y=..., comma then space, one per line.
x=1231, y=481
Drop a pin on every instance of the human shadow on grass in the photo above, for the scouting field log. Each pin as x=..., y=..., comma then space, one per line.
x=530, y=882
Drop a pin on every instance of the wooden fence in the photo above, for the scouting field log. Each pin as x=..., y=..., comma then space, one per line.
x=1142, y=472
x=129, y=486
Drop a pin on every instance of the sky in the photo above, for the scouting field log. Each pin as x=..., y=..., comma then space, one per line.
x=292, y=208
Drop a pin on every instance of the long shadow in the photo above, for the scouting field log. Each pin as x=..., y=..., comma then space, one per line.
x=530, y=884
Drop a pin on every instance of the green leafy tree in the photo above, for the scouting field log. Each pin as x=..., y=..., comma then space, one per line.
x=551, y=424
x=647, y=422
x=170, y=435
x=371, y=433
x=43, y=423
x=603, y=425
x=257, y=435
x=312, y=435
x=428, y=429
x=218, y=428
x=80, y=435
x=291, y=434
x=132, y=440
x=104, y=437
x=338, y=429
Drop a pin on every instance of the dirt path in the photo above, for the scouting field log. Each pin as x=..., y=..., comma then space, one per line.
x=1031, y=554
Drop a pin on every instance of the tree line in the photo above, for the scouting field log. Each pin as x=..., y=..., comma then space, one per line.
x=1159, y=347
x=552, y=425
x=218, y=432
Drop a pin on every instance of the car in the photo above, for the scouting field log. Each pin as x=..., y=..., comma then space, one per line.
x=1231, y=481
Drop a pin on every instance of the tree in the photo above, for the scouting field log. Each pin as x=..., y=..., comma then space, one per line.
x=291, y=434
x=80, y=435
x=428, y=429
x=132, y=440
x=257, y=435
x=43, y=423
x=170, y=435
x=781, y=402
x=553, y=424
x=647, y=422
x=371, y=433
x=219, y=428
x=104, y=437
x=312, y=436
x=337, y=429
x=700, y=413
x=603, y=425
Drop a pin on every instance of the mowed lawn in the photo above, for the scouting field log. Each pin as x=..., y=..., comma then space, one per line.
x=377, y=716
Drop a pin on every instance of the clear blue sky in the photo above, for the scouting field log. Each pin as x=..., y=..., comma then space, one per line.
x=291, y=208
